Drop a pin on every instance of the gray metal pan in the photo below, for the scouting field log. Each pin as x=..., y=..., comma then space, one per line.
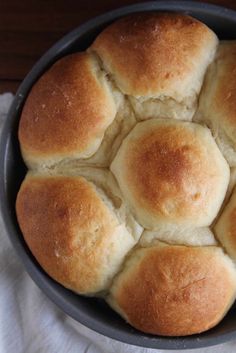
x=94, y=313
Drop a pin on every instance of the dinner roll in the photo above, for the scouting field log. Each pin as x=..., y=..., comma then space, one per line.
x=225, y=228
x=217, y=107
x=120, y=127
x=126, y=198
x=66, y=113
x=105, y=182
x=159, y=60
x=171, y=172
x=72, y=230
x=174, y=290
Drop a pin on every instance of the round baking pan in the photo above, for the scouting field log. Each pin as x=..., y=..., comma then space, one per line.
x=91, y=312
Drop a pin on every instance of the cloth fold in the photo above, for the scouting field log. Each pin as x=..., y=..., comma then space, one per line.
x=31, y=323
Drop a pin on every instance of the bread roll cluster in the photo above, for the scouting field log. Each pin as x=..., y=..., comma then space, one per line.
x=131, y=155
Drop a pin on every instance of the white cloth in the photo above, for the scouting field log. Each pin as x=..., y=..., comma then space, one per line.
x=31, y=323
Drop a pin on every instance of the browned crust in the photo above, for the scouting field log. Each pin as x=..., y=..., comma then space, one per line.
x=69, y=230
x=66, y=110
x=173, y=171
x=225, y=228
x=176, y=290
x=150, y=52
x=222, y=100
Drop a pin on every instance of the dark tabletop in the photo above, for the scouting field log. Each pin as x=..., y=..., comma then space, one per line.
x=29, y=27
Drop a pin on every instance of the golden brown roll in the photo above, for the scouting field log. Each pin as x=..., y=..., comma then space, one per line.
x=171, y=172
x=225, y=228
x=159, y=60
x=66, y=113
x=217, y=107
x=73, y=231
x=174, y=290
x=115, y=170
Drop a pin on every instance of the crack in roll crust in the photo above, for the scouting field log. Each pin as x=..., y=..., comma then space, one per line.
x=110, y=177
x=180, y=235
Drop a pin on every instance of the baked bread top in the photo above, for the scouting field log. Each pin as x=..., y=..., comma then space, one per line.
x=182, y=177
x=217, y=106
x=66, y=113
x=114, y=167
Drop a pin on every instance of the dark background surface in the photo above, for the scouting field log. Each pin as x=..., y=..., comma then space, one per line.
x=25, y=33
x=29, y=27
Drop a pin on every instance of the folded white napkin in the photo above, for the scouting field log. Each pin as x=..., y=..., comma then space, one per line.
x=31, y=323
